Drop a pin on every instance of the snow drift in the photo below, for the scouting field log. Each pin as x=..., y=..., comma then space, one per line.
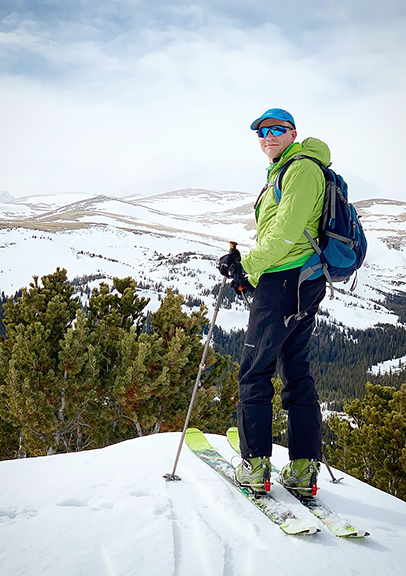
x=109, y=512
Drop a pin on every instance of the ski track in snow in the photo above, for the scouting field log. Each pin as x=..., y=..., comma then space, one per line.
x=203, y=529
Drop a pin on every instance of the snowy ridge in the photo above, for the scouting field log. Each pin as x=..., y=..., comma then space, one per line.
x=174, y=239
x=109, y=512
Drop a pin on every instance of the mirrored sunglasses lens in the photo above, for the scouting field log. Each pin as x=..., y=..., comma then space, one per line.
x=275, y=130
x=278, y=130
x=263, y=132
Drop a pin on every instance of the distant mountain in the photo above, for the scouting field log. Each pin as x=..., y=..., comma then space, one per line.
x=174, y=239
x=6, y=198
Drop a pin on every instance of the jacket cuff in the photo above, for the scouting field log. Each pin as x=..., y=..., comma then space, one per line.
x=244, y=264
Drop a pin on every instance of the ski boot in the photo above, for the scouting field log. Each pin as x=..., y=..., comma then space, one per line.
x=300, y=476
x=255, y=475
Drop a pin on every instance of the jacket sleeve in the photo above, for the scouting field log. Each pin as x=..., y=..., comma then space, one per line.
x=302, y=186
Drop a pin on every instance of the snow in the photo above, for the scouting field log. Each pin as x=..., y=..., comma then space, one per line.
x=11, y=211
x=233, y=319
x=140, y=238
x=53, y=200
x=86, y=251
x=379, y=253
x=387, y=208
x=109, y=512
x=395, y=365
x=194, y=202
x=98, y=219
x=355, y=312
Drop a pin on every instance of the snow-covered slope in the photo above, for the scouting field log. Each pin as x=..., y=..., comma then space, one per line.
x=389, y=366
x=175, y=239
x=109, y=512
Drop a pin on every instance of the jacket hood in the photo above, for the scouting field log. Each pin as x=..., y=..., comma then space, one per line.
x=310, y=147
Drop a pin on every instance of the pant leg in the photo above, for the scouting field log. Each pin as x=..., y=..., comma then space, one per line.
x=275, y=297
x=299, y=395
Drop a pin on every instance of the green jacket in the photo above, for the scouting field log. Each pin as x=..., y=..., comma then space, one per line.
x=281, y=243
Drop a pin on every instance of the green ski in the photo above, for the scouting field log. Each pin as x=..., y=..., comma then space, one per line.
x=269, y=505
x=337, y=525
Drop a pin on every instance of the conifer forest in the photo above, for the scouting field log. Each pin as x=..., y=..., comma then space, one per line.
x=78, y=374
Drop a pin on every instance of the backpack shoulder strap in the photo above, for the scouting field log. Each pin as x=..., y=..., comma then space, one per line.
x=308, y=271
x=278, y=181
x=278, y=190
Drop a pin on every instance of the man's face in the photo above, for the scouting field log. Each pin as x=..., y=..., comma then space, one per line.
x=274, y=146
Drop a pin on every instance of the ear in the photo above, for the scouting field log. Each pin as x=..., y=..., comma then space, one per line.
x=293, y=135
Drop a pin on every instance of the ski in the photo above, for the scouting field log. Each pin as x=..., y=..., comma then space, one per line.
x=337, y=525
x=269, y=505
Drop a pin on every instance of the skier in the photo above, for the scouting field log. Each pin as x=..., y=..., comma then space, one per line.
x=271, y=271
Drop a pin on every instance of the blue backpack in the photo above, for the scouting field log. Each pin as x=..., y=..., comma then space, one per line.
x=341, y=246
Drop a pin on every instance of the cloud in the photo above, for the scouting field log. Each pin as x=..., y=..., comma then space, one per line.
x=125, y=96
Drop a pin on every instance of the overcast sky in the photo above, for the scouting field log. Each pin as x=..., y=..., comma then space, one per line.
x=145, y=96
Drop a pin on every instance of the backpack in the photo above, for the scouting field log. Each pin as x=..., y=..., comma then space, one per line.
x=342, y=245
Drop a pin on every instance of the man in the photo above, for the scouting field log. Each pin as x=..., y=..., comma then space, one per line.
x=272, y=268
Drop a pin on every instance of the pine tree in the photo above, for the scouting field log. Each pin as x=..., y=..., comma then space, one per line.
x=216, y=401
x=146, y=379
x=279, y=415
x=57, y=367
x=372, y=444
x=79, y=372
x=159, y=370
x=171, y=319
x=112, y=313
x=35, y=325
x=73, y=379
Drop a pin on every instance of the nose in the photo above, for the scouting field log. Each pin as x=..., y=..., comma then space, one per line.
x=270, y=135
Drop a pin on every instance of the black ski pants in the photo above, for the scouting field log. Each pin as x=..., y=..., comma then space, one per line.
x=268, y=339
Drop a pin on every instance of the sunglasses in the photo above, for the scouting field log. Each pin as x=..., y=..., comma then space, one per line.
x=275, y=130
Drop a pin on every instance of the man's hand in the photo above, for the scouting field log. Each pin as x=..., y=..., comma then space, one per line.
x=230, y=266
x=228, y=260
x=240, y=281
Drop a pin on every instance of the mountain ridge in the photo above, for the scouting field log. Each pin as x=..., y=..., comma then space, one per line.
x=191, y=221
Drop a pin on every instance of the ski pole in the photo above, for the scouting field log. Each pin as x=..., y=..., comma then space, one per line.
x=334, y=480
x=243, y=294
x=170, y=477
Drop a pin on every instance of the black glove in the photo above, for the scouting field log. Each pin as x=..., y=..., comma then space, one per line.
x=228, y=260
x=240, y=281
